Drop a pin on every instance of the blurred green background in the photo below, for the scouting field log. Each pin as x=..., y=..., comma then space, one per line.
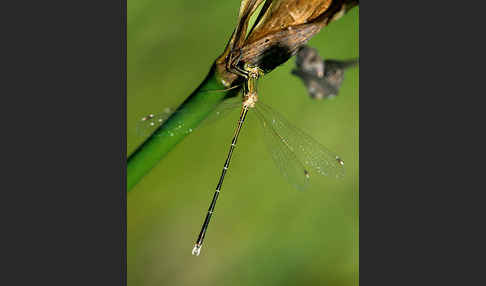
x=263, y=232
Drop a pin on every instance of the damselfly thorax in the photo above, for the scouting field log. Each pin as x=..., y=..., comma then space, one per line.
x=250, y=96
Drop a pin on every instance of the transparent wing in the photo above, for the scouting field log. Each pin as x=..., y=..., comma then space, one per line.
x=222, y=110
x=149, y=123
x=298, y=156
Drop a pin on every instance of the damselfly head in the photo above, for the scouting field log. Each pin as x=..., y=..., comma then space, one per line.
x=253, y=71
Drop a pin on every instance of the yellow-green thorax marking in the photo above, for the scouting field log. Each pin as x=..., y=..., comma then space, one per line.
x=250, y=96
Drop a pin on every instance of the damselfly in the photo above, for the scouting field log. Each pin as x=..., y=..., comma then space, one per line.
x=298, y=156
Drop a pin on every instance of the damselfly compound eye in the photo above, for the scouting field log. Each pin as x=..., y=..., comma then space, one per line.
x=340, y=161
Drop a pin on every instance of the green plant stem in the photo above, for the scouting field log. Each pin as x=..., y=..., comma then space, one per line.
x=181, y=123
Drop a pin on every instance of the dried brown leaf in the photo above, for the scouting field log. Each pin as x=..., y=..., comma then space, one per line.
x=282, y=26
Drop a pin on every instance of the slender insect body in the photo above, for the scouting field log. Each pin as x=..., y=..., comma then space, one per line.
x=249, y=100
x=305, y=154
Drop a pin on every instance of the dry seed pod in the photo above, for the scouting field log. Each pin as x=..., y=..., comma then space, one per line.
x=282, y=26
x=309, y=61
x=322, y=79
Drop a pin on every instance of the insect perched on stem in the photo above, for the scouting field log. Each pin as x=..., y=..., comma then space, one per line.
x=298, y=155
x=282, y=26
